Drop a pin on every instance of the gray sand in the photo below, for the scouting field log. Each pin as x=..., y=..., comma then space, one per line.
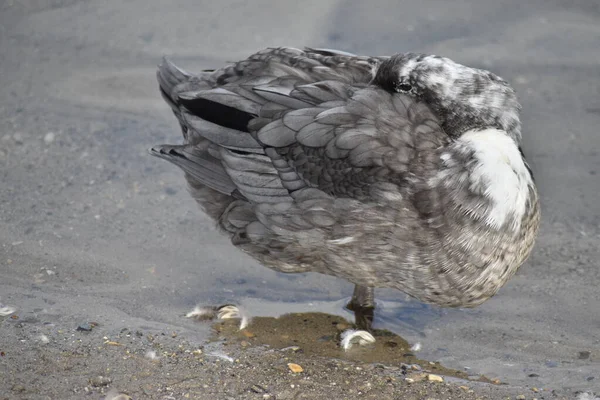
x=95, y=230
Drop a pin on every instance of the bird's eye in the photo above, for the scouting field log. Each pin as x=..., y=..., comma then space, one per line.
x=404, y=87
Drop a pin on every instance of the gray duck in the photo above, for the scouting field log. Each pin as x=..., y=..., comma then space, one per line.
x=403, y=172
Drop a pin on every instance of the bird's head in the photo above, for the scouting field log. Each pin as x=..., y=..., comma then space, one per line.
x=463, y=98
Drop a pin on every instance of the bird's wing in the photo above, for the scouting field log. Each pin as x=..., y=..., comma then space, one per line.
x=285, y=120
x=349, y=140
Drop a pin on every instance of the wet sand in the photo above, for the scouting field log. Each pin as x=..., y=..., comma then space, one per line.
x=92, y=229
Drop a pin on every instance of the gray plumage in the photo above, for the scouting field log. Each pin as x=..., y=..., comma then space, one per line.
x=401, y=172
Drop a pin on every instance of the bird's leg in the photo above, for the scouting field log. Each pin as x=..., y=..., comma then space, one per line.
x=363, y=305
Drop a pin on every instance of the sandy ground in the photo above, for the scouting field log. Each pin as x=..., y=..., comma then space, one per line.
x=95, y=233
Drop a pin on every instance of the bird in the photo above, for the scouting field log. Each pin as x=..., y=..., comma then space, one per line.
x=402, y=171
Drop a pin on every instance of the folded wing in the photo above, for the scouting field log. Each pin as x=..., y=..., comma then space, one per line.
x=284, y=120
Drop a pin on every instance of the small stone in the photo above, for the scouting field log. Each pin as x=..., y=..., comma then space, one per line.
x=465, y=388
x=100, y=380
x=496, y=381
x=295, y=349
x=248, y=334
x=49, y=137
x=258, y=389
x=434, y=378
x=520, y=397
x=295, y=368
x=18, y=388
x=584, y=355
x=86, y=327
x=244, y=343
x=6, y=310
x=18, y=138
x=535, y=390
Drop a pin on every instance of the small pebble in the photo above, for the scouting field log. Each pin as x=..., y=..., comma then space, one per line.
x=584, y=355
x=49, y=137
x=434, y=378
x=119, y=396
x=100, y=381
x=18, y=388
x=292, y=348
x=18, y=138
x=521, y=397
x=295, y=368
x=6, y=310
x=86, y=327
x=258, y=389
x=170, y=191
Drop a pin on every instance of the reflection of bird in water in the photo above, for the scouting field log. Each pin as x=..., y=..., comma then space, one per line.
x=401, y=172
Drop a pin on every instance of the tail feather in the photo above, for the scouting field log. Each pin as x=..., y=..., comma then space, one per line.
x=215, y=122
x=199, y=165
x=169, y=75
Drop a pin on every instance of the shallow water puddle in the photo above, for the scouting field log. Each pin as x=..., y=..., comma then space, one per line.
x=318, y=334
